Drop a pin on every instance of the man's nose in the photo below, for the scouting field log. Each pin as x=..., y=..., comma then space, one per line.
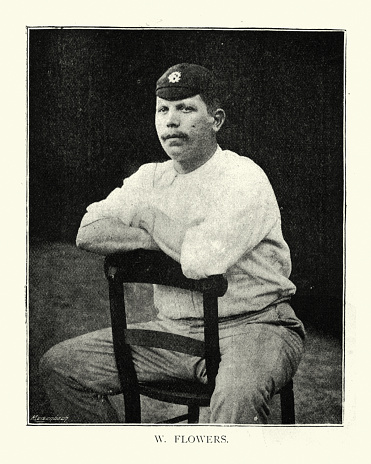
x=172, y=119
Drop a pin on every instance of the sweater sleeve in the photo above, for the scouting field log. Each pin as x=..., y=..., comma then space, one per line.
x=242, y=216
x=124, y=202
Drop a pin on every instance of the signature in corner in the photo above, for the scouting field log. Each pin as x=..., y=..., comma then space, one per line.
x=37, y=418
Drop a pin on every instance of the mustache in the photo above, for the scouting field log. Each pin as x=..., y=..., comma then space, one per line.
x=174, y=135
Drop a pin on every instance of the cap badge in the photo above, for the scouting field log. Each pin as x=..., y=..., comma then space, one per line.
x=174, y=77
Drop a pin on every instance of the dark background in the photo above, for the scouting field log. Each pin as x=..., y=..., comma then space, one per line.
x=91, y=123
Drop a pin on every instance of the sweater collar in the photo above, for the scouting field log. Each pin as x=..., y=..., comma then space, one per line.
x=204, y=168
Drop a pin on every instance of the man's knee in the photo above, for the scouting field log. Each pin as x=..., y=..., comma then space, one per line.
x=53, y=360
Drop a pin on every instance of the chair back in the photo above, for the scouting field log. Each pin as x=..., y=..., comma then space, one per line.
x=155, y=267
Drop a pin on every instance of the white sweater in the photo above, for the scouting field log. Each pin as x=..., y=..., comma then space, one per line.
x=222, y=218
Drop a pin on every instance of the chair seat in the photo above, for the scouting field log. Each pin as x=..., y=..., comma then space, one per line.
x=187, y=393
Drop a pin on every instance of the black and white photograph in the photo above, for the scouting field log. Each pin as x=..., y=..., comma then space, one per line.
x=186, y=221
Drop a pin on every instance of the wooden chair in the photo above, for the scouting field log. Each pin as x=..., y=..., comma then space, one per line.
x=155, y=267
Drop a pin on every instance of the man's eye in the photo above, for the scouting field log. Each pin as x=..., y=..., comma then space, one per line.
x=162, y=109
x=188, y=109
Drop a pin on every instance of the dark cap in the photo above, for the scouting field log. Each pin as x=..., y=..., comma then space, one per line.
x=185, y=80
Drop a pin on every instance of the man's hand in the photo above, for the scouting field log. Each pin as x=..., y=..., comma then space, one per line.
x=145, y=219
x=110, y=235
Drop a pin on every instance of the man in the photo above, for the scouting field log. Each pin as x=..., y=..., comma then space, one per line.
x=214, y=212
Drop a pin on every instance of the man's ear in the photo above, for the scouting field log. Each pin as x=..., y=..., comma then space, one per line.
x=219, y=118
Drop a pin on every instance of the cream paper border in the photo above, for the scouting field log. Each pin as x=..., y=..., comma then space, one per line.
x=106, y=444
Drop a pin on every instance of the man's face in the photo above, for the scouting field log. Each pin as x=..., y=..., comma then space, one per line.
x=185, y=129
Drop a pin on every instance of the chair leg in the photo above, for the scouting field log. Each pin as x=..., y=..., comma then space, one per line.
x=193, y=414
x=132, y=408
x=287, y=404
